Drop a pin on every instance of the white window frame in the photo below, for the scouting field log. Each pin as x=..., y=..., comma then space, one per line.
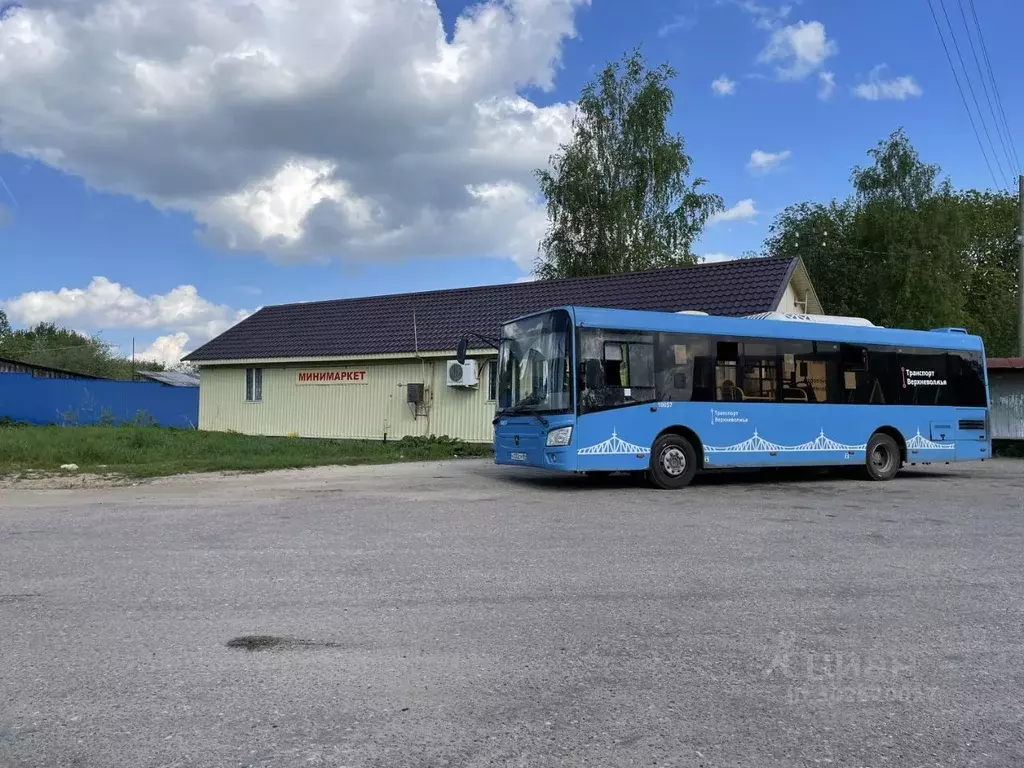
x=254, y=385
x=492, y=379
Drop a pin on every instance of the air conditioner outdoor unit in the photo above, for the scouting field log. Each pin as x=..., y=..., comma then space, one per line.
x=461, y=374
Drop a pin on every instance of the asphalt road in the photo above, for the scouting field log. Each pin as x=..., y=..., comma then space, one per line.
x=462, y=615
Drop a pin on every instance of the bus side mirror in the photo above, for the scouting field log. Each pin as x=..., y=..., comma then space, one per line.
x=461, y=350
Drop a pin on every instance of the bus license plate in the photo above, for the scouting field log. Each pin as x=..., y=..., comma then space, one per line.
x=518, y=456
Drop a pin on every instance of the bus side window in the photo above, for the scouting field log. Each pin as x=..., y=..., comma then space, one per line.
x=727, y=357
x=683, y=368
x=616, y=368
x=810, y=372
x=966, y=379
x=924, y=377
x=759, y=371
x=871, y=375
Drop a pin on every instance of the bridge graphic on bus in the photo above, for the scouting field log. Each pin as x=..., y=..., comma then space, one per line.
x=919, y=443
x=822, y=442
x=615, y=445
x=612, y=446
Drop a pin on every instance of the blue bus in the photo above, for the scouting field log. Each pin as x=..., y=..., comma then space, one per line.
x=590, y=390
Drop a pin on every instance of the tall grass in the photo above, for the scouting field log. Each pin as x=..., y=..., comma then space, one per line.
x=153, y=451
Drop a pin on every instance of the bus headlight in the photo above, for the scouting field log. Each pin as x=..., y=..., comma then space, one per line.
x=560, y=436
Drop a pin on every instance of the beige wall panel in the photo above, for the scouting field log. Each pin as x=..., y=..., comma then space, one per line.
x=359, y=411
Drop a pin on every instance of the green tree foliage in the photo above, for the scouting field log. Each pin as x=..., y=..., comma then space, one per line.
x=54, y=347
x=5, y=325
x=907, y=250
x=618, y=195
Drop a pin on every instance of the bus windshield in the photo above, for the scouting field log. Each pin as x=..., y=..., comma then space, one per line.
x=534, y=365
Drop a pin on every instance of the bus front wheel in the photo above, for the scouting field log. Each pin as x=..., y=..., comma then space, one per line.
x=673, y=462
x=883, y=457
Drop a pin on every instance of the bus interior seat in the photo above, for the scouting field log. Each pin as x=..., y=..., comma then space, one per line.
x=797, y=394
x=730, y=392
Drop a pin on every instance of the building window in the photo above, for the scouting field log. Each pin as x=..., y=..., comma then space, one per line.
x=253, y=385
x=492, y=380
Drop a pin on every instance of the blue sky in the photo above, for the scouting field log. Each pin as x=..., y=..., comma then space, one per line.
x=79, y=208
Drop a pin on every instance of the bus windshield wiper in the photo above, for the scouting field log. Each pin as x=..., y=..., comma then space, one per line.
x=518, y=411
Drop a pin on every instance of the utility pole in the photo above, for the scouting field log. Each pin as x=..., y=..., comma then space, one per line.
x=1020, y=267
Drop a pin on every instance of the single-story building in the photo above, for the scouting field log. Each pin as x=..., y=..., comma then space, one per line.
x=1006, y=394
x=343, y=369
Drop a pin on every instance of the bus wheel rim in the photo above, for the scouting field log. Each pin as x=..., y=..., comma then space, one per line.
x=673, y=461
x=880, y=458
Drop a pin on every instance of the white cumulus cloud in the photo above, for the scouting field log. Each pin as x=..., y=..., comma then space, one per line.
x=826, y=85
x=326, y=129
x=767, y=17
x=167, y=349
x=106, y=305
x=744, y=210
x=897, y=89
x=798, y=50
x=765, y=162
x=723, y=86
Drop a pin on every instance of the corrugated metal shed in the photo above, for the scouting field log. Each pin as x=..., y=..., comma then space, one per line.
x=1006, y=389
x=171, y=378
x=42, y=371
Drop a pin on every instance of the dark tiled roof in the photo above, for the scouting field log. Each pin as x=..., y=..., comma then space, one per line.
x=384, y=324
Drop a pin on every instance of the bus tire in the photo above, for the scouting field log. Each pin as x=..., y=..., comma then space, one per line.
x=673, y=462
x=883, y=457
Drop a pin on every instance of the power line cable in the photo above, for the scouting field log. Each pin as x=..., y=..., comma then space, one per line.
x=995, y=85
x=984, y=85
x=37, y=348
x=963, y=98
x=974, y=97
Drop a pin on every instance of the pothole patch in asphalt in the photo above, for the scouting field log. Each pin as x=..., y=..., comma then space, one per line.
x=19, y=597
x=275, y=643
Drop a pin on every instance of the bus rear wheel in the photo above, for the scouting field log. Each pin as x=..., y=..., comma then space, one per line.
x=673, y=463
x=883, y=457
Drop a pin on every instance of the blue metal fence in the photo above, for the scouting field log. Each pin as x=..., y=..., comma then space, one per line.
x=84, y=401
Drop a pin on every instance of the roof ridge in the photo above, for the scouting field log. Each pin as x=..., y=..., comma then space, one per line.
x=375, y=324
x=553, y=281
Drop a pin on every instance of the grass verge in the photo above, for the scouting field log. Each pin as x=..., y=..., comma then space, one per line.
x=154, y=452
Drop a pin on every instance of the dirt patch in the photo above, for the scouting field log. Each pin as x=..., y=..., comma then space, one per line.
x=275, y=643
x=50, y=481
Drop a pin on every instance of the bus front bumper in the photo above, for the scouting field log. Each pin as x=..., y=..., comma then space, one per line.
x=524, y=443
